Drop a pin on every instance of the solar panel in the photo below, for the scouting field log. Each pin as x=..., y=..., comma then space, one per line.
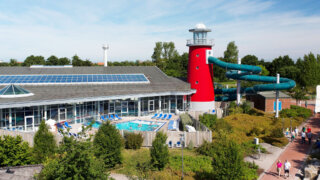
x=73, y=79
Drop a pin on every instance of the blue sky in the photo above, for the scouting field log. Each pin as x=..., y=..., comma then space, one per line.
x=266, y=29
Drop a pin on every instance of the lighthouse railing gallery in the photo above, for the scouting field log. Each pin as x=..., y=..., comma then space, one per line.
x=205, y=41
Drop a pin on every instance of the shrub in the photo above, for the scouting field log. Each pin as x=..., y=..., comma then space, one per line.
x=75, y=160
x=209, y=120
x=246, y=107
x=296, y=111
x=206, y=149
x=190, y=145
x=227, y=160
x=277, y=133
x=44, y=143
x=108, y=144
x=159, y=151
x=185, y=120
x=256, y=112
x=14, y=152
x=133, y=140
x=191, y=163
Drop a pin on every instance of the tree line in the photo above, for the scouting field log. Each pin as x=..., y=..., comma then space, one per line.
x=305, y=71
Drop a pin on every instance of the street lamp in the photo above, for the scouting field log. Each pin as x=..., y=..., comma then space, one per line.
x=182, y=144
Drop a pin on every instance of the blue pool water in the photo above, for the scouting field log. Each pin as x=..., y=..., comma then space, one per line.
x=139, y=125
x=94, y=125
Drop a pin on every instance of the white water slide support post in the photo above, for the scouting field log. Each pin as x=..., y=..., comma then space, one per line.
x=239, y=86
x=277, y=97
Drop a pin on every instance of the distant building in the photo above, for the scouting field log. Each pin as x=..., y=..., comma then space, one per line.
x=265, y=101
x=100, y=63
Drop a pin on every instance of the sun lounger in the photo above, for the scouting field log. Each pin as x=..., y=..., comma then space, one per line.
x=111, y=117
x=67, y=125
x=119, y=118
x=170, y=144
x=154, y=116
x=59, y=126
x=164, y=117
x=102, y=118
x=106, y=117
x=160, y=116
x=178, y=144
x=169, y=117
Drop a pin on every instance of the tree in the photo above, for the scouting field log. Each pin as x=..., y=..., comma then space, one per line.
x=44, y=143
x=159, y=151
x=64, y=61
x=157, y=52
x=14, y=152
x=264, y=70
x=52, y=60
x=299, y=94
x=13, y=62
x=231, y=54
x=309, y=69
x=278, y=63
x=108, y=144
x=75, y=160
x=250, y=60
x=76, y=61
x=227, y=160
x=34, y=60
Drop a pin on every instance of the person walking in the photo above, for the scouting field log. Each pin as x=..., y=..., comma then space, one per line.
x=303, y=129
x=309, y=135
x=293, y=135
x=308, y=129
x=296, y=130
x=279, y=165
x=287, y=167
x=303, y=137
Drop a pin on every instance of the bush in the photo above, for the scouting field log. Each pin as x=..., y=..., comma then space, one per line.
x=296, y=111
x=133, y=141
x=159, y=151
x=75, y=160
x=108, y=144
x=246, y=107
x=190, y=145
x=206, y=149
x=44, y=143
x=185, y=120
x=277, y=133
x=256, y=112
x=227, y=160
x=209, y=120
x=14, y=152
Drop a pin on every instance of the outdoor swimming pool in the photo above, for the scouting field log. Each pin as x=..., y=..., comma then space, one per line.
x=139, y=125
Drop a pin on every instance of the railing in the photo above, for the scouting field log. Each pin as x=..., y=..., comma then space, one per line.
x=208, y=42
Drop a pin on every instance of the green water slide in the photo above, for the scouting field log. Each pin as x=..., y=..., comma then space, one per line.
x=247, y=73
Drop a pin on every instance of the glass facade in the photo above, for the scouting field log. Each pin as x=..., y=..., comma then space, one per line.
x=28, y=118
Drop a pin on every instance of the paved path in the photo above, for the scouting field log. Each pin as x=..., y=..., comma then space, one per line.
x=295, y=153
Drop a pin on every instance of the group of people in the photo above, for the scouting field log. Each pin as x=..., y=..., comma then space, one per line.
x=305, y=133
x=286, y=167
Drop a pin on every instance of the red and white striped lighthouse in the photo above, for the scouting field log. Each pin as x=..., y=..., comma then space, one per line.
x=200, y=73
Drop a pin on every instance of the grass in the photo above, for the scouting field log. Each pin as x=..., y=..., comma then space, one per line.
x=136, y=164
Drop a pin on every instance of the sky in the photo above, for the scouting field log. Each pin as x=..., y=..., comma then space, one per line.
x=267, y=29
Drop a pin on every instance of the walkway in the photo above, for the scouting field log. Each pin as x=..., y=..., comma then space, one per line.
x=295, y=153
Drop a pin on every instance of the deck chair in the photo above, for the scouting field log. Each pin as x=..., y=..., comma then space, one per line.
x=160, y=116
x=164, y=117
x=111, y=117
x=116, y=115
x=154, y=116
x=67, y=125
x=169, y=117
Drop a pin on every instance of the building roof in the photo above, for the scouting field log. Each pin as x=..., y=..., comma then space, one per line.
x=160, y=84
x=272, y=95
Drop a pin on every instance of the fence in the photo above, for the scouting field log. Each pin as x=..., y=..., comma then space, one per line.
x=197, y=138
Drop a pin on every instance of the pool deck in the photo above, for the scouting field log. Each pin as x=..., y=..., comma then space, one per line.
x=78, y=127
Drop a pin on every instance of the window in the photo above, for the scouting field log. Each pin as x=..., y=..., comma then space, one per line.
x=197, y=67
x=197, y=55
x=197, y=82
x=151, y=105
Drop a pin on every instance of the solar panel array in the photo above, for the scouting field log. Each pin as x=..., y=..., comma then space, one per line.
x=75, y=79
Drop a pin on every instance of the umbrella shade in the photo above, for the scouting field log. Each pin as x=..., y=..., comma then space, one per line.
x=51, y=122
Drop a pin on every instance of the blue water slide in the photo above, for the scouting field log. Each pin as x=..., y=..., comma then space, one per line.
x=248, y=73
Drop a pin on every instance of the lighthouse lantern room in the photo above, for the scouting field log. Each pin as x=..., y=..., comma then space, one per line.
x=200, y=73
